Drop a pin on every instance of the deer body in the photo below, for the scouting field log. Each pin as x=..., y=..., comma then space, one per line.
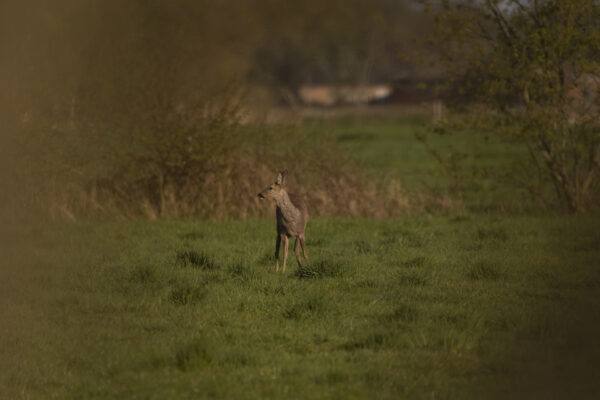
x=292, y=216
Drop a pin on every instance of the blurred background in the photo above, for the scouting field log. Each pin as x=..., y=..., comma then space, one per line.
x=187, y=108
x=153, y=108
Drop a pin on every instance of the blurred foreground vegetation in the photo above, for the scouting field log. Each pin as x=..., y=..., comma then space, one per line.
x=135, y=109
x=161, y=112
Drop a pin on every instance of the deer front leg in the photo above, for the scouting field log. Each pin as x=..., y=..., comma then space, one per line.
x=277, y=243
x=297, y=252
x=285, y=250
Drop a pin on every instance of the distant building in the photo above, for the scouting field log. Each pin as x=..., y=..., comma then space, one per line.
x=331, y=95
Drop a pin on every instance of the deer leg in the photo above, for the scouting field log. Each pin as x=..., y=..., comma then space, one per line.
x=297, y=252
x=303, y=247
x=277, y=243
x=285, y=250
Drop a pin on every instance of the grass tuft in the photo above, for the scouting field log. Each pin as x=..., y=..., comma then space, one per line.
x=191, y=236
x=402, y=237
x=312, y=306
x=191, y=258
x=362, y=247
x=241, y=271
x=192, y=355
x=415, y=262
x=321, y=269
x=184, y=293
x=414, y=278
x=332, y=377
x=484, y=270
x=491, y=234
x=374, y=340
x=404, y=313
x=144, y=274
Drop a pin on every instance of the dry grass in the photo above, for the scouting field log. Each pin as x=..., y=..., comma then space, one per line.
x=332, y=183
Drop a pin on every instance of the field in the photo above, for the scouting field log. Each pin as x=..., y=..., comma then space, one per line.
x=468, y=305
x=388, y=147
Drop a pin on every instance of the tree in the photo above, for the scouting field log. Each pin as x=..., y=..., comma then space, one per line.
x=535, y=66
x=326, y=41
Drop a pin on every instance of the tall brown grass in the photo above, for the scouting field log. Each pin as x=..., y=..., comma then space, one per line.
x=213, y=169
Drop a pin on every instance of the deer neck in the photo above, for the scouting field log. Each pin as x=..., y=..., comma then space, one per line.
x=288, y=210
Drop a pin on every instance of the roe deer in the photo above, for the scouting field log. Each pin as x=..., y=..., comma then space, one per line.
x=292, y=216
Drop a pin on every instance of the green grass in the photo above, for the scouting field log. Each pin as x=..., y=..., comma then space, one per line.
x=484, y=304
x=423, y=307
x=389, y=147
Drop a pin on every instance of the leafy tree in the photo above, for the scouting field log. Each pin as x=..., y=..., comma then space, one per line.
x=534, y=66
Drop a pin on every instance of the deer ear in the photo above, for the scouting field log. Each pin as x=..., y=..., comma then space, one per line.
x=281, y=178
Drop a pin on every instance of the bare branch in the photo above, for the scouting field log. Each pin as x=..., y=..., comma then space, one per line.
x=501, y=20
x=527, y=10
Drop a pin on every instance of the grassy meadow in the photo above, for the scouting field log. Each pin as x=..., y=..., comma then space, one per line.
x=388, y=148
x=482, y=303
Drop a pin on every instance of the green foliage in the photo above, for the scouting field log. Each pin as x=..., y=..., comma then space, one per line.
x=532, y=68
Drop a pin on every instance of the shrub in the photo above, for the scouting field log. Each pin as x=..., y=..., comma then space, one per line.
x=207, y=166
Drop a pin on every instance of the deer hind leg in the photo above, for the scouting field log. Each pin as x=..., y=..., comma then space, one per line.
x=285, y=250
x=303, y=247
x=277, y=243
x=297, y=252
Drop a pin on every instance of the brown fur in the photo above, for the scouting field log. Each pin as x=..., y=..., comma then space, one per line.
x=292, y=216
